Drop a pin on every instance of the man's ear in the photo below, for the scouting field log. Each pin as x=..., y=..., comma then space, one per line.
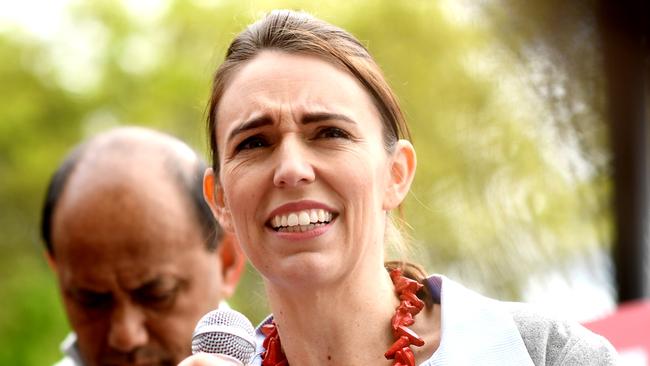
x=402, y=171
x=213, y=195
x=232, y=264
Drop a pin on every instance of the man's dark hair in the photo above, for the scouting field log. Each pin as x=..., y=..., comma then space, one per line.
x=190, y=183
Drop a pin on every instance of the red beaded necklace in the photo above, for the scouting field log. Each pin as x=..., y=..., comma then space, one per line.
x=400, y=350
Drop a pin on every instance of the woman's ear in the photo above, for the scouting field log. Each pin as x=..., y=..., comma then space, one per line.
x=402, y=171
x=213, y=195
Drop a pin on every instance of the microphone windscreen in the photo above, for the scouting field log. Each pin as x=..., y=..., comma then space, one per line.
x=225, y=332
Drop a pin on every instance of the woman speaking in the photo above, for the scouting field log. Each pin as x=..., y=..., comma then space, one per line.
x=310, y=156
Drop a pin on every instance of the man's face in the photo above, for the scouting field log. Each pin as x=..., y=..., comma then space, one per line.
x=134, y=271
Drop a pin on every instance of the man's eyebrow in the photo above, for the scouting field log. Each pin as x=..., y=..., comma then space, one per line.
x=325, y=116
x=85, y=291
x=154, y=284
x=148, y=285
x=249, y=125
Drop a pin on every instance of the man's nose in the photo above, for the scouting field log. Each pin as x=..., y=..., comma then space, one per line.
x=294, y=167
x=128, y=329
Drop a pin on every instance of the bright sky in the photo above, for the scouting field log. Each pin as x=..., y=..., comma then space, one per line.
x=44, y=18
x=77, y=47
x=40, y=18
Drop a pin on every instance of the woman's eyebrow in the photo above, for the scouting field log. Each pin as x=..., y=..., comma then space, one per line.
x=325, y=116
x=249, y=125
x=306, y=119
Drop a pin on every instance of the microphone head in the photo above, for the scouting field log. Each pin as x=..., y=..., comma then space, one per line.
x=226, y=332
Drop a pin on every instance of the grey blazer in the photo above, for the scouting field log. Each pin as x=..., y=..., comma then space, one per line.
x=554, y=342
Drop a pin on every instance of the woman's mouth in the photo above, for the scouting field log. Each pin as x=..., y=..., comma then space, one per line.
x=300, y=221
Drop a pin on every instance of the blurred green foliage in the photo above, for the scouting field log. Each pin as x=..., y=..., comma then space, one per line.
x=507, y=121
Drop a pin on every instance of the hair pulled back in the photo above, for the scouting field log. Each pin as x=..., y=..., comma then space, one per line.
x=300, y=33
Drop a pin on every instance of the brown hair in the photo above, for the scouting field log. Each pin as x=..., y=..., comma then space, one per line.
x=300, y=33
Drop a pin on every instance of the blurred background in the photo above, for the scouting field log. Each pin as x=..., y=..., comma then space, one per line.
x=529, y=119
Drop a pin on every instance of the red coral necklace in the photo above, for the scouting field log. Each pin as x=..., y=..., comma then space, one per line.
x=400, y=350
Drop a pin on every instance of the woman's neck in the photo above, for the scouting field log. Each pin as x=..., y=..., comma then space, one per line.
x=331, y=323
x=346, y=323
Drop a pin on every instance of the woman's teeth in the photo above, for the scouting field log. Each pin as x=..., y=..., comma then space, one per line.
x=301, y=221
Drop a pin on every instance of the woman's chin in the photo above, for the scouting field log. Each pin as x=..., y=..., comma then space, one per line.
x=303, y=271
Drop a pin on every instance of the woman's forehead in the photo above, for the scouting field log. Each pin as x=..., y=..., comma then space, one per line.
x=275, y=81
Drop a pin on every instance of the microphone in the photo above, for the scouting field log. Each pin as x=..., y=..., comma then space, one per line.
x=225, y=332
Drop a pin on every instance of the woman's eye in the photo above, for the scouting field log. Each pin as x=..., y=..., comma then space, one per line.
x=332, y=133
x=252, y=142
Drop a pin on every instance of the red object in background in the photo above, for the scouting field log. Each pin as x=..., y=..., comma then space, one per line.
x=628, y=329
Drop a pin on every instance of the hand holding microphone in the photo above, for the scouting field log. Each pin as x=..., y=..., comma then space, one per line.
x=222, y=337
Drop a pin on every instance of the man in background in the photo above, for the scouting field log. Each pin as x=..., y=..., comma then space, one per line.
x=137, y=253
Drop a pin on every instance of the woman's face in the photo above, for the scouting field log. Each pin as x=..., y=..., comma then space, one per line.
x=304, y=172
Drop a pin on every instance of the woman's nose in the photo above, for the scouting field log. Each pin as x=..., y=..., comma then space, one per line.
x=127, y=329
x=294, y=167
